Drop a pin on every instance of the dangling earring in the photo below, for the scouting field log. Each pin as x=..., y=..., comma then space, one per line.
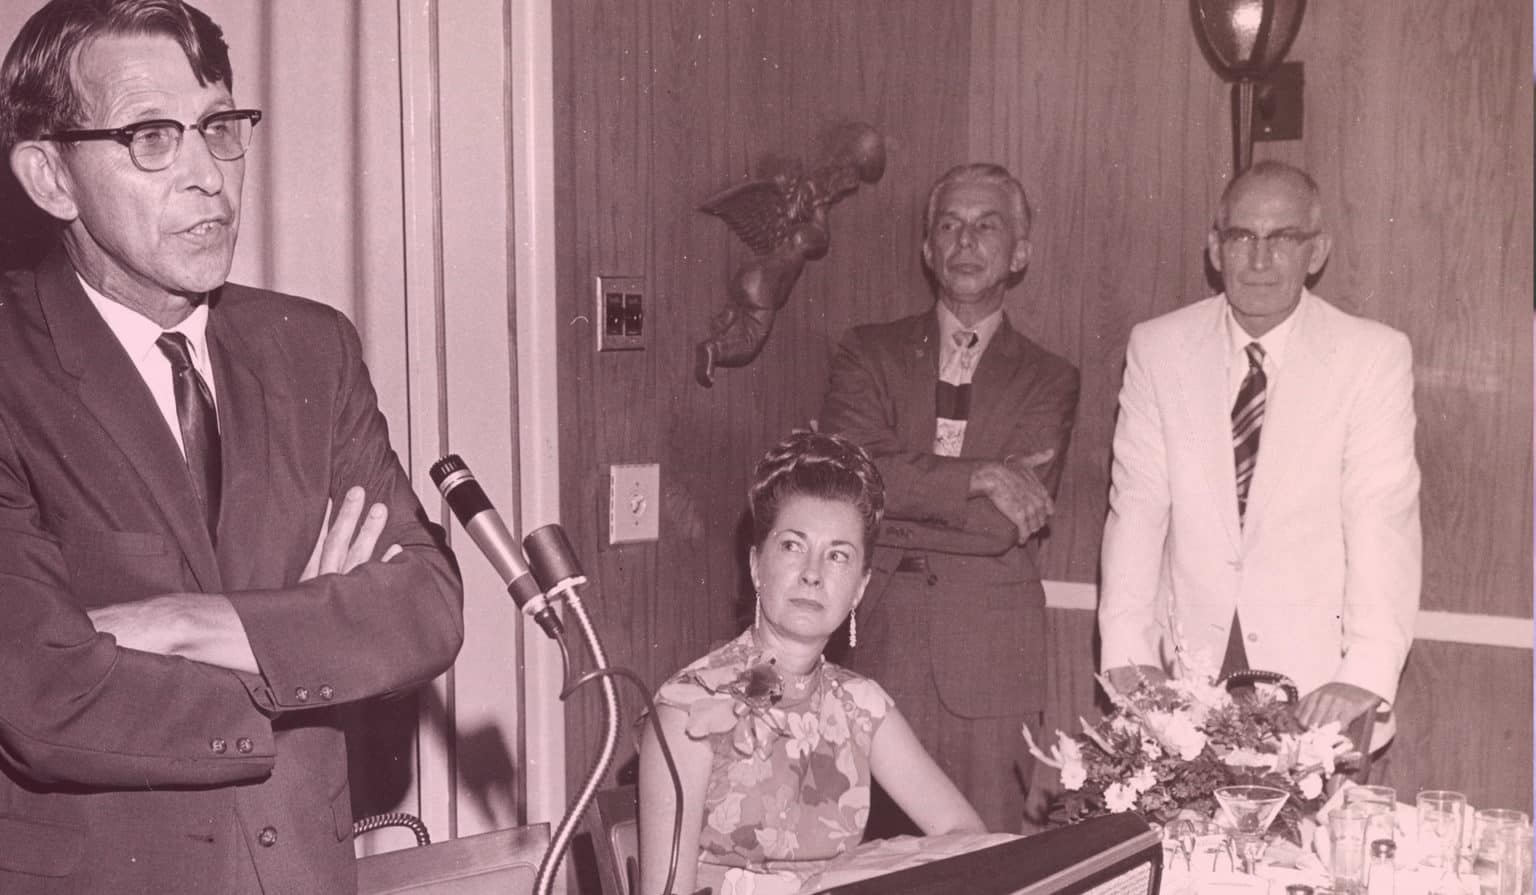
x=853, y=629
x=757, y=616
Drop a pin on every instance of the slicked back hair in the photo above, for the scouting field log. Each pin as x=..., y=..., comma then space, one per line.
x=983, y=172
x=38, y=94
x=816, y=464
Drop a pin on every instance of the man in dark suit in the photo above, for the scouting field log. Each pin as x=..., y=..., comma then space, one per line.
x=180, y=616
x=968, y=421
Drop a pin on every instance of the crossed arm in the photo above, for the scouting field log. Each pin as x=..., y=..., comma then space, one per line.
x=206, y=628
x=977, y=506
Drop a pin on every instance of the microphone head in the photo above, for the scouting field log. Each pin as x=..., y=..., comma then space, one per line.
x=551, y=557
x=445, y=467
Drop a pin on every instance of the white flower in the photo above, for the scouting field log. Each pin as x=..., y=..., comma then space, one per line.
x=1119, y=797
x=1311, y=786
x=1073, y=776
x=1177, y=732
x=1142, y=780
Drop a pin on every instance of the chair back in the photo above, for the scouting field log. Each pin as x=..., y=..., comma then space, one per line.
x=613, y=824
x=493, y=863
x=1359, y=731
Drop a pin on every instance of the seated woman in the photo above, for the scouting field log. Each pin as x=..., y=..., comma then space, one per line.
x=775, y=745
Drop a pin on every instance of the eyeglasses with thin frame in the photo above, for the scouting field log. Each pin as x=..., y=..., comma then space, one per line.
x=154, y=145
x=1283, y=241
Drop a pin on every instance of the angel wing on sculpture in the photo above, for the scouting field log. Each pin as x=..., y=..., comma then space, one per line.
x=783, y=220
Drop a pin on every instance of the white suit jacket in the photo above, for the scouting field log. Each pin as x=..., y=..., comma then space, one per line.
x=1325, y=571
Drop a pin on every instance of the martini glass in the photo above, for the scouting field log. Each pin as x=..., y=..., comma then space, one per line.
x=1246, y=813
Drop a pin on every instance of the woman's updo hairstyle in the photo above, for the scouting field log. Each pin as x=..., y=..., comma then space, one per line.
x=815, y=464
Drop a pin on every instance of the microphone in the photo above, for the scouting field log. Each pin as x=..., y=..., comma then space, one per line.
x=468, y=501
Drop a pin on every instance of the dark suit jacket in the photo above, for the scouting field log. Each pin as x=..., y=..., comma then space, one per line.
x=987, y=633
x=122, y=771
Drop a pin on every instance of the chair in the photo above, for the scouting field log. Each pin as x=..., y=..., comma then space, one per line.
x=1359, y=731
x=494, y=863
x=614, y=827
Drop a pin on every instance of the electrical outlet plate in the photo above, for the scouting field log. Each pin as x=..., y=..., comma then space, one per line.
x=619, y=313
x=634, y=491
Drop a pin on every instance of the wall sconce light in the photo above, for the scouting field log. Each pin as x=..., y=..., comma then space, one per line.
x=1244, y=40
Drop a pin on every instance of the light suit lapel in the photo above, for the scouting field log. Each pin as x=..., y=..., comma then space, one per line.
x=1292, y=409
x=1206, y=417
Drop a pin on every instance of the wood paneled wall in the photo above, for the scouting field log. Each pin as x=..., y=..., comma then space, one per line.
x=661, y=103
x=1418, y=128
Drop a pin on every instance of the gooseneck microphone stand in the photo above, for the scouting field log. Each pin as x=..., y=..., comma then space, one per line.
x=554, y=567
x=553, y=564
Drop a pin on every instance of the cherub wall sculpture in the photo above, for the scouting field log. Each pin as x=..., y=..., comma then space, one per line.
x=783, y=220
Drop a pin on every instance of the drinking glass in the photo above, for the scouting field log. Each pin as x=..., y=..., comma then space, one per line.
x=1247, y=812
x=1347, y=841
x=1489, y=845
x=1441, y=813
x=1515, y=873
x=1385, y=794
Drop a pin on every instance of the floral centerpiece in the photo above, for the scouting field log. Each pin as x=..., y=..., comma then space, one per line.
x=1168, y=745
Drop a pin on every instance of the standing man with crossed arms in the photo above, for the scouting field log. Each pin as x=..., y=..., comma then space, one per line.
x=1264, y=498
x=181, y=617
x=968, y=422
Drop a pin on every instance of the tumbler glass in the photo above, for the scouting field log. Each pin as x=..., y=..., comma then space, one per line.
x=1441, y=813
x=1347, y=848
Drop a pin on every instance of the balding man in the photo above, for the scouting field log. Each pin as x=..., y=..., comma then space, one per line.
x=1264, y=499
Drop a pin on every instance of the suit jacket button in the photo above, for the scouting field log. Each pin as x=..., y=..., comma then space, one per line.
x=327, y=692
x=218, y=745
x=1252, y=637
x=301, y=694
x=267, y=837
x=244, y=745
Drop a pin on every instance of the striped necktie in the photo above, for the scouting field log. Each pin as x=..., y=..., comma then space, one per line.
x=1247, y=421
x=199, y=425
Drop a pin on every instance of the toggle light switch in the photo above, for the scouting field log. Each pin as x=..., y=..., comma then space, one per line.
x=633, y=502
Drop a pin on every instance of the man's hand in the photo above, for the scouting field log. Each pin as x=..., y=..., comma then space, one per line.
x=1128, y=677
x=337, y=549
x=1335, y=701
x=1016, y=491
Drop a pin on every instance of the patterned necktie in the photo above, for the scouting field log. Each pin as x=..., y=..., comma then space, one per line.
x=199, y=425
x=1247, y=421
x=953, y=395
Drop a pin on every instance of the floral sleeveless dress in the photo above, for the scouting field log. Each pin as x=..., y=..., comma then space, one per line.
x=789, y=786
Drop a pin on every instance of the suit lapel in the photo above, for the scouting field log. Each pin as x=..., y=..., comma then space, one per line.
x=916, y=416
x=113, y=392
x=1206, y=421
x=992, y=389
x=244, y=512
x=1292, y=409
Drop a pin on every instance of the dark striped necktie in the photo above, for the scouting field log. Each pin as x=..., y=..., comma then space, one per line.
x=1247, y=421
x=199, y=425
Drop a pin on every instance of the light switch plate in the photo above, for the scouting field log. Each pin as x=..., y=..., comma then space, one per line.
x=634, y=509
x=619, y=314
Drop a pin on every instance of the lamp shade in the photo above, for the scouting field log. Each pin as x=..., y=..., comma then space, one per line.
x=1244, y=39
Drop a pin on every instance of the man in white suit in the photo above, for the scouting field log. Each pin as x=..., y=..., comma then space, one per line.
x=1264, y=497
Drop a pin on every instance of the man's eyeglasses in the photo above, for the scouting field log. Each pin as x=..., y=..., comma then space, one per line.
x=1283, y=241
x=153, y=145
